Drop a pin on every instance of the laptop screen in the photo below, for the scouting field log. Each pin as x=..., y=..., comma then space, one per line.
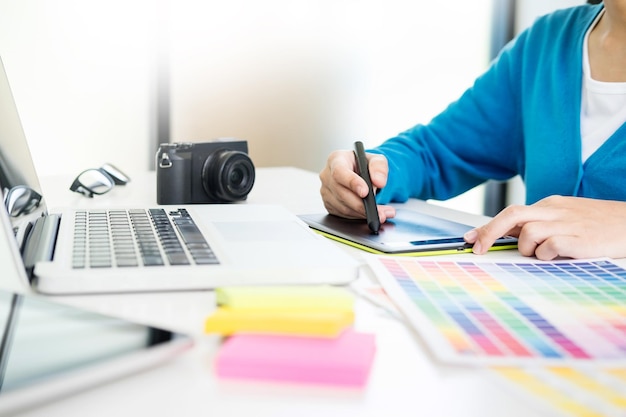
x=21, y=191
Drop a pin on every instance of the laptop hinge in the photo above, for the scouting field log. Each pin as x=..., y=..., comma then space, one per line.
x=40, y=242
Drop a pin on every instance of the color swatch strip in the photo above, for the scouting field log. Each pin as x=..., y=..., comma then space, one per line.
x=513, y=311
x=570, y=391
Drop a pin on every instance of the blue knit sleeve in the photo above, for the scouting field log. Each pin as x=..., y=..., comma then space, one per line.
x=477, y=137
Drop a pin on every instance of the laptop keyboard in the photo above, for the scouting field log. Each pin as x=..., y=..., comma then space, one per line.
x=133, y=238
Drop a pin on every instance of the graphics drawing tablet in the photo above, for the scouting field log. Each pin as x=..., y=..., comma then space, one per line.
x=409, y=233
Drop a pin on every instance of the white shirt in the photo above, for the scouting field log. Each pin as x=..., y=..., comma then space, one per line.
x=603, y=107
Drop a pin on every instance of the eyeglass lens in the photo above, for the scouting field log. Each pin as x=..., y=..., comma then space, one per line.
x=118, y=176
x=99, y=181
x=93, y=181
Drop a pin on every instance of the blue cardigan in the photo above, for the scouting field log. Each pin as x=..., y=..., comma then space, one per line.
x=522, y=116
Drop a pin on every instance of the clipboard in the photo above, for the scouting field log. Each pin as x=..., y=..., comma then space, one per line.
x=409, y=233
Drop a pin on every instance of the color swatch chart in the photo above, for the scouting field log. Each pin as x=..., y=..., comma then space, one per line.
x=569, y=391
x=512, y=313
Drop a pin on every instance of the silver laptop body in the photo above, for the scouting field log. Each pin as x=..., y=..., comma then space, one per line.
x=247, y=244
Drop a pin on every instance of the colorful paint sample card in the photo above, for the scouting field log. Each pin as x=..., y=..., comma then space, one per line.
x=512, y=313
x=579, y=392
x=345, y=360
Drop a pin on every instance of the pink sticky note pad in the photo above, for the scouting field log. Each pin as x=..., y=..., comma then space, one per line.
x=345, y=360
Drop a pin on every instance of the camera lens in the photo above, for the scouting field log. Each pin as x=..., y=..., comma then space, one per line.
x=228, y=175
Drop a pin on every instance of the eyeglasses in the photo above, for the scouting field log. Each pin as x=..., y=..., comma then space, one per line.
x=21, y=200
x=98, y=180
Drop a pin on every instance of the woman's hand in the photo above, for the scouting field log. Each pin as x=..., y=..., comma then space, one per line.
x=343, y=189
x=556, y=226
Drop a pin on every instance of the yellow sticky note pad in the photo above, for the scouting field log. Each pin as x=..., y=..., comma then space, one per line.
x=227, y=321
x=290, y=298
x=300, y=310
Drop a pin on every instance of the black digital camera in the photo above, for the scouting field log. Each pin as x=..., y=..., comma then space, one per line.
x=212, y=172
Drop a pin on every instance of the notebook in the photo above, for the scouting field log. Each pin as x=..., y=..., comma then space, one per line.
x=76, y=251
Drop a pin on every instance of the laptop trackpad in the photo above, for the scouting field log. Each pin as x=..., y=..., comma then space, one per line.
x=262, y=231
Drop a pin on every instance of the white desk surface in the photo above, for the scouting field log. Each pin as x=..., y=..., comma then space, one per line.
x=404, y=380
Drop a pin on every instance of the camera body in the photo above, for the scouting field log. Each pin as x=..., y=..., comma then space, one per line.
x=198, y=173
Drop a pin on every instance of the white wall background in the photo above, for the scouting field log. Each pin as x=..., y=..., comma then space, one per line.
x=299, y=78
x=325, y=72
x=81, y=73
x=528, y=10
x=296, y=78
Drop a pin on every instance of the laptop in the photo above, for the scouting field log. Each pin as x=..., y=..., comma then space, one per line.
x=182, y=247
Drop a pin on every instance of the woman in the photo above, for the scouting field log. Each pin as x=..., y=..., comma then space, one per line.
x=550, y=108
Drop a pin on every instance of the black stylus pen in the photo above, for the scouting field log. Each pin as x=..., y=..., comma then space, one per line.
x=371, y=211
